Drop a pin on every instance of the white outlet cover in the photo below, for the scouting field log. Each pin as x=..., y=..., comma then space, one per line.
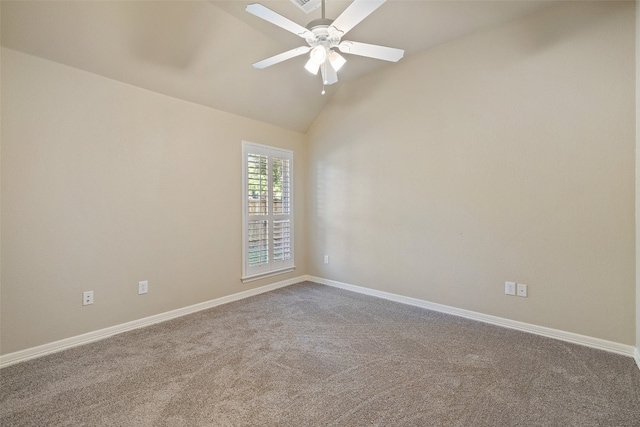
x=510, y=288
x=87, y=298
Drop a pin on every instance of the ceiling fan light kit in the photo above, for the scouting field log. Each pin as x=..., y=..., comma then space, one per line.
x=319, y=55
x=336, y=60
x=312, y=67
x=323, y=36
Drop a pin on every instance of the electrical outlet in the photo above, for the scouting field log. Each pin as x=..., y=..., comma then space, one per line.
x=87, y=298
x=326, y=259
x=510, y=288
x=143, y=287
x=522, y=290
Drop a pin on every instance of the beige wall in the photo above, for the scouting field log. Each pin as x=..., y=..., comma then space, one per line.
x=637, y=181
x=105, y=184
x=506, y=155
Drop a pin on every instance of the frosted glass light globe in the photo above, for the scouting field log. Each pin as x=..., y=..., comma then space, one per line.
x=319, y=54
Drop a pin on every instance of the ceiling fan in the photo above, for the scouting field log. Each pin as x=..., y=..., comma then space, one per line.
x=323, y=36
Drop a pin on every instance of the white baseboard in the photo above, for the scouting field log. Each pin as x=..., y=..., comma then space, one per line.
x=610, y=346
x=56, y=346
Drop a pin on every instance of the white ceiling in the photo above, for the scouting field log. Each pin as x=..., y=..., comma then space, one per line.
x=202, y=51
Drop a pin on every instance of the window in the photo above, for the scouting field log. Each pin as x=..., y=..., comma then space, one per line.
x=267, y=211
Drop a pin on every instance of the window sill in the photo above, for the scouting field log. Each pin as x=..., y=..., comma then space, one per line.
x=247, y=279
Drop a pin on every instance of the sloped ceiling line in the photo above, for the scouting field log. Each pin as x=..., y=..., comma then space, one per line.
x=202, y=51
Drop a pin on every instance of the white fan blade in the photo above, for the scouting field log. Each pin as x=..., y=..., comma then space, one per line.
x=329, y=75
x=371, y=50
x=354, y=13
x=269, y=15
x=282, y=57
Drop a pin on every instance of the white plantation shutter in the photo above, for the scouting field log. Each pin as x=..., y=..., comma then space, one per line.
x=282, y=193
x=281, y=240
x=258, y=183
x=282, y=210
x=267, y=211
x=258, y=243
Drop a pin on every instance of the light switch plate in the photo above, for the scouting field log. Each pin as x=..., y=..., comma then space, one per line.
x=143, y=287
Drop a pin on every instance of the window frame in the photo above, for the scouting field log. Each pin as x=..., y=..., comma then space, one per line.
x=271, y=267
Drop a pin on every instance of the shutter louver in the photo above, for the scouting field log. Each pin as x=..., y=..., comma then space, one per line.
x=257, y=184
x=281, y=187
x=281, y=240
x=258, y=242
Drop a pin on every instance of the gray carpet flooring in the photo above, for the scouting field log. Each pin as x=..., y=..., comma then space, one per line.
x=311, y=355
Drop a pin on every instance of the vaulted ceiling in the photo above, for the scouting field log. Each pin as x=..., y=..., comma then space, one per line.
x=202, y=51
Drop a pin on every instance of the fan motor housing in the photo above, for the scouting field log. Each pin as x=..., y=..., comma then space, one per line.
x=324, y=34
x=323, y=22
